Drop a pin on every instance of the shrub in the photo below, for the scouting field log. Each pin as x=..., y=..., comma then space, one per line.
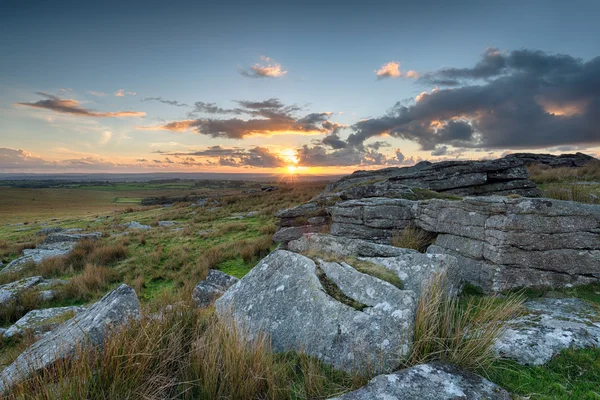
x=460, y=333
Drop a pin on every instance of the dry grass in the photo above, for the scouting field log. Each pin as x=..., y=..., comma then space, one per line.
x=460, y=333
x=185, y=354
x=573, y=192
x=540, y=173
x=255, y=249
x=14, y=309
x=412, y=237
x=53, y=266
x=90, y=284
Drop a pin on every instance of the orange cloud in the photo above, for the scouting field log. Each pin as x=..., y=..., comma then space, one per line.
x=563, y=109
x=270, y=70
x=122, y=93
x=70, y=106
x=389, y=70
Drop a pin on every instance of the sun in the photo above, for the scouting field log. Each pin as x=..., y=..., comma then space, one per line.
x=292, y=169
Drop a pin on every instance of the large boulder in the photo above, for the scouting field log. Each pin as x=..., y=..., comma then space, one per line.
x=89, y=328
x=284, y=297
x=434, y=381
x=41, y=321
x=215, y=284
x=550, y=326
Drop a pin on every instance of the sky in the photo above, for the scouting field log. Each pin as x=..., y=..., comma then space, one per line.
x=312, y=87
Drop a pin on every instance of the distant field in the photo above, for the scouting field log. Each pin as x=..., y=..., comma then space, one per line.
x=29, y=205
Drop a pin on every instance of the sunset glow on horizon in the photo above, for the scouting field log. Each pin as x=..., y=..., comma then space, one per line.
x=113, y=94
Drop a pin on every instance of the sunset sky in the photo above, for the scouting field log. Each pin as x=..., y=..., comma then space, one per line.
x=315, y=87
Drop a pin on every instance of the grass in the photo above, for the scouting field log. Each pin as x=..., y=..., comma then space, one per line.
x=573, y=374
x=186, y=354
x=582, y=193
x=334, y=291
x=459, y=332
x=412, y=237
x=375, y=270
x=540, y=173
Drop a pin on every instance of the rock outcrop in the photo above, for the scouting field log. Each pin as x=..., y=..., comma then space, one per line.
x=465, y=178
x=563, y=160
x=215, y=284
x=551, y=325
x=55, y=245
x=41, y=321
x=444, y=180
x=89, y=328
x=285, y=297
x=500, y=242
x=434, y=381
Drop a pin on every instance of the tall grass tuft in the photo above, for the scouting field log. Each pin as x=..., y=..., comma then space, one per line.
x=412, y=237
x=462, y=333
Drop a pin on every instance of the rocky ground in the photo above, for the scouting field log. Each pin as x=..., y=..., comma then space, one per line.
x=348, y=287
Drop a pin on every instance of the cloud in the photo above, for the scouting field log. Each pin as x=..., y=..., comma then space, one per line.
x=389, y=70
x=70, y=106
x=259, y=157
x=122, y=93
x=266, y=118
x=106, y=136
x=161, y=100
x=392, y=70
x=269, y=70
x=99, y=94
x=525, y=99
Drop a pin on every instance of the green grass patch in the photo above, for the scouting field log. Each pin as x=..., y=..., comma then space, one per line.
x=377, y=271
x=236, y=267
x=128, y=200
x=573, y=374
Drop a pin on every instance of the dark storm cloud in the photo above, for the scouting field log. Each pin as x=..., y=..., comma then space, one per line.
x=377, y=145
x=529, y=99
x=169, y=102
x=269, y=117
x=334, y=142
x=70, y=106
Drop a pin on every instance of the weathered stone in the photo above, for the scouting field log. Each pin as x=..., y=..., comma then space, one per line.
x=215, y=284
x=55, y=245
x=283, y=297
x=563, y=160
x=413, y=268
x=294, y=232
x=47, y=231
x=89, y=328
x=552, y=325
x=41, y=321
x=136, y=225
x=434, y=381
x=164, y=224
x=10, y=291
x=469, y=176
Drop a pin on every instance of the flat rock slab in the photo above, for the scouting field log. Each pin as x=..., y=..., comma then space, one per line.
x=551, y=326
x=215, y=284
x=41, y=321
x=88, y=328
x=10, y=291
x=137, y=225
x=284, y=298
x=56, y=244
x=435, y=381
x=413, y=268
